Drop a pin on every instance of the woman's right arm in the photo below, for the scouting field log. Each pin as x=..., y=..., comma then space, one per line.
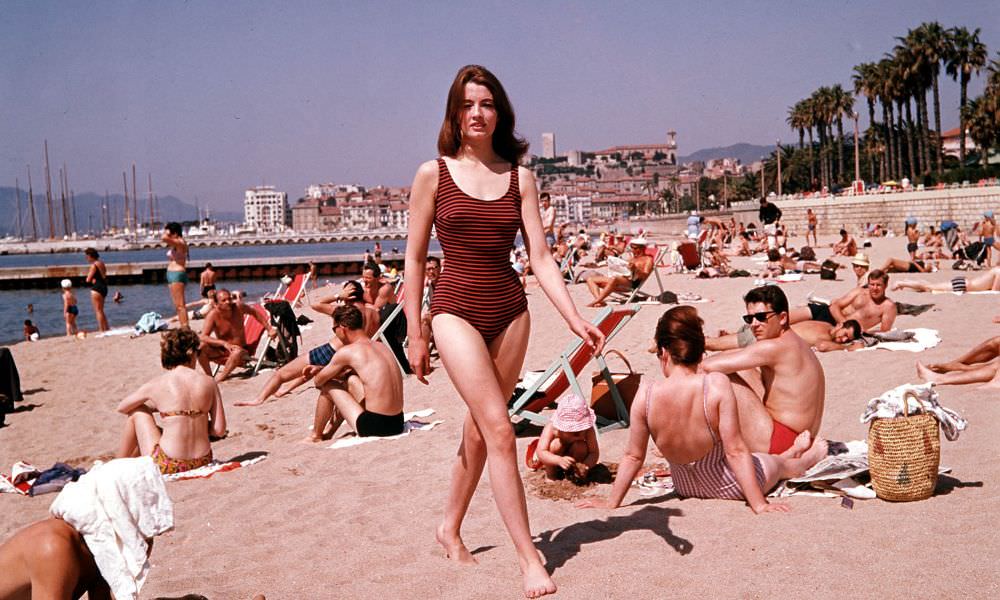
x=737, y=454
x=631, y=462
x=421, y=219
x=90, y=273
x=218, y=414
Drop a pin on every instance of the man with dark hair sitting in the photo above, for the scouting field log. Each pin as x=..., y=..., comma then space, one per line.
x=782, y=366
x=370, y=398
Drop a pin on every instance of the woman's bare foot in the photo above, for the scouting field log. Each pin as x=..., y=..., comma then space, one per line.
x=800, y=445
x=925, y=374
x=596, y=304
x=454, y=547
x=537, y=582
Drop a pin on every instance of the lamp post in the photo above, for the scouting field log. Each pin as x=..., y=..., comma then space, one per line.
x=763, y=172
x=778, y=154
x=857, y=172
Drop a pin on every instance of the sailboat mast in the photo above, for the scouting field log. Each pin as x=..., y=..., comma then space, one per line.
x=128, y=222
x=48, y=193
x=150, y=178
x=17, y=190
x=135, y=201
x=31, y=204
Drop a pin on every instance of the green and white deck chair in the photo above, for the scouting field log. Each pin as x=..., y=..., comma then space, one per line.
x=563, y=374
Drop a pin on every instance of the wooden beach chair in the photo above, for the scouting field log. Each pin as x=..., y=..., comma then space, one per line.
x=563, y=373
x=637, y=295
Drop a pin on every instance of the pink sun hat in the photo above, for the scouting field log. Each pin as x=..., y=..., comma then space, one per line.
x=573, y=414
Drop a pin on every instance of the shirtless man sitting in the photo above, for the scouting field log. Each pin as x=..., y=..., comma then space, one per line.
x=818, y=334
x=377, y=292
x=370, y=399
x=783, y=365
x=868, y=306
x=640, y=266
x=228, y=347
x=846, y=246
x=984, y=282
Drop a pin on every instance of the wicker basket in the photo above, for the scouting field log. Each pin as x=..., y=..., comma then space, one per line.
x=903, y=455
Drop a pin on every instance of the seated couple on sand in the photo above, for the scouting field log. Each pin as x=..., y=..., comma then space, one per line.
x=361, y=384
x=190, y=410
x=720, y=438
x=640, y=266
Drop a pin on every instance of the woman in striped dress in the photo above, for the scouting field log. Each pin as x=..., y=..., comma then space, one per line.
x=478, y=198
x=693, y=419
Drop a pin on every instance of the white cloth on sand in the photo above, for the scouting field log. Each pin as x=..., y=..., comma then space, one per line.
x=411, y=423
x=920, y=398
x=116, y=507
x=922, y=340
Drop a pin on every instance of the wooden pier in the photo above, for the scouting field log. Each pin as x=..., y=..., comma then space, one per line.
x=339, y=265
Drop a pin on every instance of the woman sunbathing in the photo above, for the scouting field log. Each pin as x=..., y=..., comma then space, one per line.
x=190, y=408
x=986, y=282
x=693, y=418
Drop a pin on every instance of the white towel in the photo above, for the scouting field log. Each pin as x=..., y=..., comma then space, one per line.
x=919, y=397
x=789, y=277
x=410, y=424
x=116, y=507
x=922, y=340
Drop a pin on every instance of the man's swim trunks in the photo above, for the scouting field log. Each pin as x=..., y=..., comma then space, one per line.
x=72, y=310
x=320, y=356
x=821, y=312
x=782, y=438
x=958, y=284
x=378, y=425
x=205, y=289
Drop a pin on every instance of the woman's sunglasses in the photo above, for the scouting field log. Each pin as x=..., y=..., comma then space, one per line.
x=760, y=316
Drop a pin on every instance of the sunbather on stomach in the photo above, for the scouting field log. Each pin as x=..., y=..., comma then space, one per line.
x=190, y=408
x=694, y=419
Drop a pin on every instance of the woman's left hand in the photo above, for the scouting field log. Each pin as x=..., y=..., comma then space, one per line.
x=590, y=335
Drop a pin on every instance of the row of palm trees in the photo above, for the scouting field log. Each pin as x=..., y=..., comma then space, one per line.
x=902, y=143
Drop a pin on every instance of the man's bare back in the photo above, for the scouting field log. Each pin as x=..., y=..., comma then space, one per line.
x=375, y=366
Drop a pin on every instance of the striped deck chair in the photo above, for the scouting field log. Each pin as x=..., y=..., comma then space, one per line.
x=293, y=293
x=637, y=295
x=380, y=335
x=568, y=266
x=563, y=374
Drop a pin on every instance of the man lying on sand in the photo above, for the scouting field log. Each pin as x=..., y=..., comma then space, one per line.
x=783, y=365
x=228, y=347
x=97, y=541
x=371, y=399
x=818, y=334
x=868, y=306
x=979, y=365
x=984, y=282
x=640, y=266
x=697, y=423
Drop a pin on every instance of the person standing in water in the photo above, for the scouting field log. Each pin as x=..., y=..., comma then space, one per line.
x=478, y=198
x=97, y=277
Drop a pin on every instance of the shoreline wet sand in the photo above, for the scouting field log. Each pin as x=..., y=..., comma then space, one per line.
x=311, y=522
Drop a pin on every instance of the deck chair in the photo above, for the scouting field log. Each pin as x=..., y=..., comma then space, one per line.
x=293, y=293
x=253, y=333
x=637, y=295
x=690, y=257
x=568, y=266
x=562, y=375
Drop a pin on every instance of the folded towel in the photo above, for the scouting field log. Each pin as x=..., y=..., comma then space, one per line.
x=411, y=423
x=920, y=398
x=116, y=507
x=921, y=340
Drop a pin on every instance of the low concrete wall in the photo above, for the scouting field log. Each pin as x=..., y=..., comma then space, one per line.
x=965, y=206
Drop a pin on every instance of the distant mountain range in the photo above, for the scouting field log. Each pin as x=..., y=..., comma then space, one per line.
x=88, y=212
x=747, y=153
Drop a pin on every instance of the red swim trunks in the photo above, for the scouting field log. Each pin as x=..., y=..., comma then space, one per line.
x=782, y=438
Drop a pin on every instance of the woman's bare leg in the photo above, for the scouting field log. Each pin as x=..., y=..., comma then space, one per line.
x=988, y=373
x=140, y=435
x=177, y=296
x=922, y=286
x=485, y=377
x=98, y=301
x=286, y=373
x=984, y=352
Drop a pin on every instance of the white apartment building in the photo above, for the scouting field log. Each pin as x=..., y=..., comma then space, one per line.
x=572, y=209
x=266, y=210
x=548, y=145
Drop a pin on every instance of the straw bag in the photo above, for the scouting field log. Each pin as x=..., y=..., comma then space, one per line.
x=601, y=399
x=903, y=455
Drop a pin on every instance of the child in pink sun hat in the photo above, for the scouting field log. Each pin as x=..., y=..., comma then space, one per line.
x=568, y=444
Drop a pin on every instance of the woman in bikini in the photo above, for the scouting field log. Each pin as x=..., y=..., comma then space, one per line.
x=97, y=277
x=190, y=410
x=177, y=256
x=693, y=419
x=478, y=198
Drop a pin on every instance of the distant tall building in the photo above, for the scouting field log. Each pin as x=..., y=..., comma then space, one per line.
x=548, y=145
x=266, y=209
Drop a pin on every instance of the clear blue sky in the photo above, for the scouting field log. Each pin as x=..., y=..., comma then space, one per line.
x=213, y=97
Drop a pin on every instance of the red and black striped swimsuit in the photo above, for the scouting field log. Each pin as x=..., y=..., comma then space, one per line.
x=478, y=283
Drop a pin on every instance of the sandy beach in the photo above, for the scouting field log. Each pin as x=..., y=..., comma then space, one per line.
x=314, y=522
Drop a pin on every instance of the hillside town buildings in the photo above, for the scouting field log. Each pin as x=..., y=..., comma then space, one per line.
x=329, y=207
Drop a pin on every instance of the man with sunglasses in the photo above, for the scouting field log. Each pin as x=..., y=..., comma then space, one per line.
x=779, y=383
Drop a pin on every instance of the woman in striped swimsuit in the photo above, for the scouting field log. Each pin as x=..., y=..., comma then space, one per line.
x=693, y=419
x=477, y=198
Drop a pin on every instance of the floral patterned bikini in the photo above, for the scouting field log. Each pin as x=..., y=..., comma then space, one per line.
x=168, y=465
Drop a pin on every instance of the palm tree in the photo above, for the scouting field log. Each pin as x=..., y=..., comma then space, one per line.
x=982, y=125
x=797, y=120
x=886, y=95
x=865, y=81
x=933, y=46
x=843, y=106
x=966, y=57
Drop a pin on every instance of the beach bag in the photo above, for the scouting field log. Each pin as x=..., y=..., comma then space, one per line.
x=807, y=253
x=904, y=454
x=828, y=270
x=627, y=383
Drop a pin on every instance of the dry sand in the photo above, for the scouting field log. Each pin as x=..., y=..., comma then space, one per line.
x=310, y=522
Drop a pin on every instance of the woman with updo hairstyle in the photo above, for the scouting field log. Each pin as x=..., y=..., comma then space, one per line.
x=189, y=406
x=694, y=420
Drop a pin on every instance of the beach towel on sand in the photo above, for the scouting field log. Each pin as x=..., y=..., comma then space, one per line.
x=910, y=340
x=116, y=507
x=216, y=467
x=411, y=423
